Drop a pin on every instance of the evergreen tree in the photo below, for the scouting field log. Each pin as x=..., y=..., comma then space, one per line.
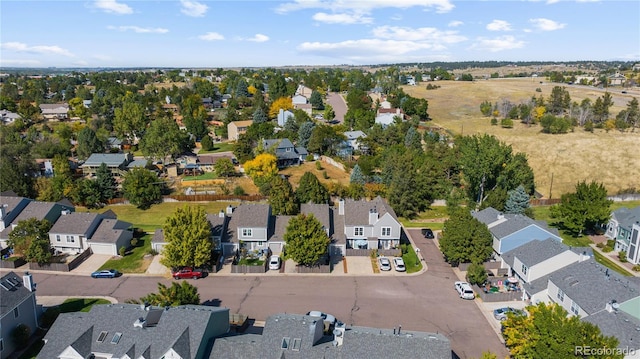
x=242, y=89
x=311, y=190
x=281, y=197
x=106, y=183
x=306, y=241
x=304, y=133
x=357, y=176
x=413, y=139
x=188, y=236
x=207, y=143
x=88, y=143
x=518, y=201
x=316, y=100
x=259, y=116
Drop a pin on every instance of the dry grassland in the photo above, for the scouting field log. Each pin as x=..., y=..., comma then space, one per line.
x=611, y=158
x=335, y=174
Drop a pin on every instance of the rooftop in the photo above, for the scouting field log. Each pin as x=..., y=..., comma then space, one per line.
x=14, y=293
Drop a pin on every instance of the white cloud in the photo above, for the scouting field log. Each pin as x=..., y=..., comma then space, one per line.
x=342, y=18
x=497, y=44
x=258, y=38
x=113, y=7
x=546, y=24
x=139, y=30
x=441, y=6
x=211, y=36
x=396, y=17
x=427, y=34
x=499, y=25
x=193, y=8
x=38, y=49
x=455, y=23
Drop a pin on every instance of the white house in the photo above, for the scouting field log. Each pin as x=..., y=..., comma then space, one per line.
x=624, y=228
x=369, y=224
x=284, y=116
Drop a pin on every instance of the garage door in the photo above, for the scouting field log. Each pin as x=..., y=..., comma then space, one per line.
x=102, y=248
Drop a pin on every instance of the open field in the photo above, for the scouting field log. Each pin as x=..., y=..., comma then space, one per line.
x=611, y=158
x=335, y=174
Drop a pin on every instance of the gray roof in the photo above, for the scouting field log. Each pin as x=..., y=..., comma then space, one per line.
x=111, y=159
x=359, y=342
x=109, y=231
x=158, y=236
x=218, y=223
x=252, y=215
x=137, y=163
x=182, y=328
x=280, y=228
x=320, y=211
x=620, y=325
x=537, y=285
x=10, y=202
x=357, y=212
x=627, y=217
x=352, y=135
x=280, y=143
x=536, y=251
x=592, y=285
x=38, y=210
x=9, y=299
x=75, y=223
x=338, y=236
x=487, y=215
x=509, y=223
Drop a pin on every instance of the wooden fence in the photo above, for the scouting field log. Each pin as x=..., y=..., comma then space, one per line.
x=544, y=201
x=245, y=269
x=12, y=264
x=367, y=252
x=62, y=267
x=315, y=269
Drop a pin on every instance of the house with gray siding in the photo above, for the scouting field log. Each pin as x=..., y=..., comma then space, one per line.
x=116, y=162
x=17, y=306
x=218, y=223
x=302, y=336
x=286, y=153
x=136, y=332
x=248, y=228
x=369, y=224
x=10, y=208
x=39, y=210
x=624, y=228
x=509, y=231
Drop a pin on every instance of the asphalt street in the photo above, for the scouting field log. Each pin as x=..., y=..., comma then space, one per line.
x=425, y=302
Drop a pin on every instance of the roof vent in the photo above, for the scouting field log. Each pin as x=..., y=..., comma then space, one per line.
x=139, y=323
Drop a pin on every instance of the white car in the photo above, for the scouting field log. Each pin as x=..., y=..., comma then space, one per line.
x=274, y=263
x=399, y=264
x=385, y=263
x=464, y=290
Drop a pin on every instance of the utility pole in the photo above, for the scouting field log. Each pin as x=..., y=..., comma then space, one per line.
x=551, y=185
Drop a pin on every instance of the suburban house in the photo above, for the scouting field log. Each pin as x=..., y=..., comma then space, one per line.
x=286, y=153
x=284, y=116
x=306, y=107
x=116, y=162
x=386, y=117
x=8, y=117
x=369, y=224
x=218, y=222
x=322, y=212
x=236, y=128
x=616, y=79
x=114, y=143
x=510, y=231
x=302, y=336
x=103, y=233
x=17, y=306
x=56, y=111
x=136, y=332
x=299, y=100
x=10, y=208
x=353, y=140
x=207, y=162
x=624, y=228
x=35, y=209
x=248, y=228
x=303, y=90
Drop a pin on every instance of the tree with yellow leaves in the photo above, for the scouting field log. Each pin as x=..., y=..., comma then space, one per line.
x=538, y=112
x=284, y=103
x=261, y=168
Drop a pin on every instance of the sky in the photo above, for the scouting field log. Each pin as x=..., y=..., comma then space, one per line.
x=236, y=33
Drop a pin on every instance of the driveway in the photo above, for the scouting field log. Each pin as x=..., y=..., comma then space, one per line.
x=91, y=264
x=339, y=105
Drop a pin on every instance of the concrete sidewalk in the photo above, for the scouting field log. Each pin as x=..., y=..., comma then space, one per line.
x=52, y=301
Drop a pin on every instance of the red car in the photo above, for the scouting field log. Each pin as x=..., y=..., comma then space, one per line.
x=187, y=272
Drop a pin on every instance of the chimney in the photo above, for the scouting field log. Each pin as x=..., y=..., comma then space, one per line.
x=27, y=281
x=221, y=214
x=229, y=210
x=341, y=207
x=583, y=256
x=64, y=212
x=373, y=215
x=500, y=215
x=612, y=306
x=3, y=211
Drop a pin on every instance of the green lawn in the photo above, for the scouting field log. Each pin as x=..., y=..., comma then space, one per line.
x=220, y=147
x=411, y=260
x=80, y=304
x=433, y=218
x=433, y=225
x=543, y=213
x=133, y=262
x=610, y=264
x=204, y=176
x=153, y=218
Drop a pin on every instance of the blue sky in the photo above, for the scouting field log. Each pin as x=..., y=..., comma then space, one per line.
x=190, y=33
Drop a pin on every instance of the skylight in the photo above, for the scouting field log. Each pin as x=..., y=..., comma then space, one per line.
x=116, y=338
x=296, y=344
x=102, y=336
x=285, y=342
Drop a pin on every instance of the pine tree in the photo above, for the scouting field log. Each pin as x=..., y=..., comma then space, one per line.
x=281, y=197
x=259, y=116
x=316, y=100
x=357, y=176
x=412, y=139
x=311, y=190
x=106, y=183
x=518, y=201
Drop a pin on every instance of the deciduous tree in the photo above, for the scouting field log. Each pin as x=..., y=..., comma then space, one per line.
x=262, y=168
x=465, y=239
x=141, y=187
x=175, y=295
x=224, y=167
x=305, y=239
x=583, y=209
x=188, y=235
x=283, y=103
x=28, y=237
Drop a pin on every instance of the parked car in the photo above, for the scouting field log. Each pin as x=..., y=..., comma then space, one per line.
x=385, y=263
x=187, y=273
x=427, y=233
x=464, y=290
x=274, y=263
x=107, y=273
x=325, y=317
x=398, y=262
x=502, y=313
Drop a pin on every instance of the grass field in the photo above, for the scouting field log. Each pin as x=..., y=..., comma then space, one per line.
x=611, y=158
x=335, y=174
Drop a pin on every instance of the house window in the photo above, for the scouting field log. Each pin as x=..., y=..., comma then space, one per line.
x=16, y=312
x=296, y=344
x=386, y=231
x=1, y=345
x=524, y=269
x=247, y=232
x=574, y=308
x=285, y=342
x=58, y=237
x=70, y=239
x=560, y=295
x=358, y=231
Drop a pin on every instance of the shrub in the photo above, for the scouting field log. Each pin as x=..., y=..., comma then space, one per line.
x=476, y=274
x=611, y=243
x=49, y=316
x=600, y=245
x=636, y=267
x=506, y=123
x=538, y=89
x=134, y=242
x=152, y=251
x=494, y=121
x=20, y=335
x=318, y=165
x=588, y=126
x=607, y=249
x=373, y=253
x=622, y=256
x=324, y=175
x=122, y=251
x=309, y=158
x=239, y=191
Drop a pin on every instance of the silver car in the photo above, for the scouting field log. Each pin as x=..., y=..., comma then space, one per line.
x=385, y=263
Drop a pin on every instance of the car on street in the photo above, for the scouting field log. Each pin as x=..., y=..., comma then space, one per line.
x=398, y=263
x=188, y=273
x=502, y=313
x=328, y=318
x=274, y=263
x=107, y=273
x=427, y=233
x=384, y=263
x=464, y=290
